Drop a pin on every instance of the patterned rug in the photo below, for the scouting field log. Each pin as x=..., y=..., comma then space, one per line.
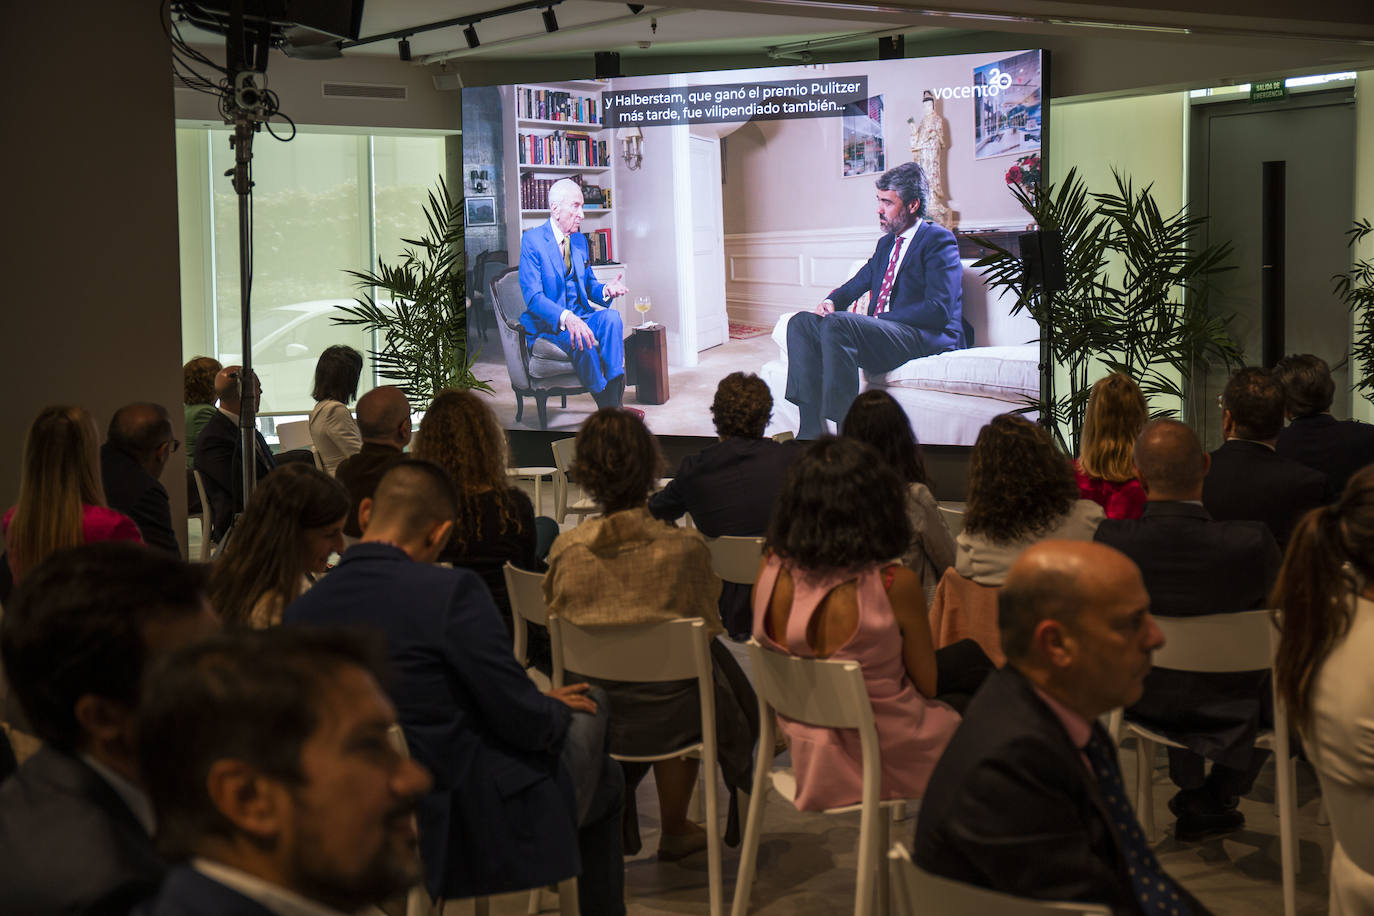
x=746, y=331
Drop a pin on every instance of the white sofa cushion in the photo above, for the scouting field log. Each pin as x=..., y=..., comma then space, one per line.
x=1006, y=373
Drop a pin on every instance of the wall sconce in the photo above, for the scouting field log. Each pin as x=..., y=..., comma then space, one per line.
x=632, y=147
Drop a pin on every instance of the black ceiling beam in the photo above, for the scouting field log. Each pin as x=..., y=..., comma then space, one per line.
x=470, y=19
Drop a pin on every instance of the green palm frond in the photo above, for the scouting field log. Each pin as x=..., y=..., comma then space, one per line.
x=1356, y=289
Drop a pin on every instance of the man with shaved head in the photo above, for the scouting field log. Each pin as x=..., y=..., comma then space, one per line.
x=1193, y=565
x=219, y=451
x=1027, y=798
x=136, y=450
x=384, y=421
x=525, y=794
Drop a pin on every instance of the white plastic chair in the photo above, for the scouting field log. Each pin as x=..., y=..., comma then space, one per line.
x=674, y=650
x=917, y=891
x=525, y=590
x=535, y=475
x=828, y=694
x=954, y=520
x=783, y=436
x=294, y=435
x=563, y=452
x=207, y=521
x=735, y=559
x=1241, y=641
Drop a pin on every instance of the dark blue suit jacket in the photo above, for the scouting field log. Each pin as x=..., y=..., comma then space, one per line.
x=927, y=292
x=501, y=816
x=189, y=893
x=543, y=280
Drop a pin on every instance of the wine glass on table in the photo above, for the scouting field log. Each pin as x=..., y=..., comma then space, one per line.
x=642, y=306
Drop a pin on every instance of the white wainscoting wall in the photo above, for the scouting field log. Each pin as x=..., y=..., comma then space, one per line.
x=768, y=274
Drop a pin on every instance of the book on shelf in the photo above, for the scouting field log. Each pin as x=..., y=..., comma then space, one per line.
x=556, y=105
x=561, y=148
x=599, y=246
x=534, y=194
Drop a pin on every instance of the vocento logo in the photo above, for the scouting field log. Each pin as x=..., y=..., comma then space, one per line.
x=998, y=82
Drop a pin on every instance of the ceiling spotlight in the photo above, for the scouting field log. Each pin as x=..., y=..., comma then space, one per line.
x=550, y=21
x=405, y=49
x=636, y=8
x=470, y=33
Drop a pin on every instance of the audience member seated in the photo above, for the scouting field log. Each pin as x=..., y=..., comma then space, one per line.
x=1250, y=481
x=827, y=589
x=277, y=788
x=1115, y=415
x=1325, y=592
x=730, y=487
x=1337, y=448
x=628, y=567
x=1028, y=798
x=293, y=525
x=137, y=448
x=495, y=521
x=1021, y=490
x=198, y=395
x=524, y=789
x=332, y=428
x=384, y=423
x=61, y=500
x=876, y=419
x=75, y=824
x=1193, y=565
x=219, y=451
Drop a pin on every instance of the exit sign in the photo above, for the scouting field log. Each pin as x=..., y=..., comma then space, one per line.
x=1271, y=91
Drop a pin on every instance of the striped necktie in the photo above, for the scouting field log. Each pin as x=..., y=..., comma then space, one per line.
x=886, y=291
x=567, y=254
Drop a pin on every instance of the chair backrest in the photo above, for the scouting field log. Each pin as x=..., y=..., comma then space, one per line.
x=673, y=650
x=207, y=519
x=954, y=520
x=735, y=559
x=1238, y=641
x=916, y=891
x=494, y=264
x=294, y=435
x=564, y=450
x=526, y=592
x=964, y=609
x=508, y=304
x=784, y=436
x=814, y=691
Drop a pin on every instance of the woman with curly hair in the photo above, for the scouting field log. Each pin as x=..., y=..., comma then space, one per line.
x=1105, y=471
x=628, y=567
x=495, y=522
x=293, y=524
x=877, y=420
x=1020, y=490
x=198, y=394
x=332, y=427
x=61, y=499
x=1325, y=594
x=828, y=588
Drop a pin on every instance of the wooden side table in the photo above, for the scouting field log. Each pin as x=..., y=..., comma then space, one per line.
x=646, y=364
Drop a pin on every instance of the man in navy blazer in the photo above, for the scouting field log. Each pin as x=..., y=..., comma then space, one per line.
x=915, y=307
x=524, y=792
x=219, y=451
x=564, y=302
x=278, y=785
x=1337, y=448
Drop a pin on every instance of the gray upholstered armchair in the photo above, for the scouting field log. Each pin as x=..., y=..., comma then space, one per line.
x=534, y=372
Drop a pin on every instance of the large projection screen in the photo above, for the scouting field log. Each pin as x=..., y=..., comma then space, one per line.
x=730, y=200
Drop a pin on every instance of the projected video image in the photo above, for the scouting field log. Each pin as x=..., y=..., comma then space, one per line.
x=810, y=224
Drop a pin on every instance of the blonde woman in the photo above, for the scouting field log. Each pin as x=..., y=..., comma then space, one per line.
x=1105, y=472
x=61, y=500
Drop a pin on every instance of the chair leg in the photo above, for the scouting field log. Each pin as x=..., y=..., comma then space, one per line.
x=519, y=407
x=1144, y=786
x=567, y=897
x=541, y=401
x=753, y=822
x=565, y=401
x=481, y=906
x=536, y=902
x=881, y=904
x=714, y=881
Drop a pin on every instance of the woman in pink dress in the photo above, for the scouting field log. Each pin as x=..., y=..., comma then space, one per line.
x=828, y=588
x=61, y=500
x=1105, y=470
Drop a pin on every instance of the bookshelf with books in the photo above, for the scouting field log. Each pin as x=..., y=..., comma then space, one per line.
x=555, y=131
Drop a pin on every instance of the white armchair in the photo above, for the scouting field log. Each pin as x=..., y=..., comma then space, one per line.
x=950, y=396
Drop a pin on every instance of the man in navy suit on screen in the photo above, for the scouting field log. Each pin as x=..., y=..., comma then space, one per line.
x=914, y=282
x=564, y=302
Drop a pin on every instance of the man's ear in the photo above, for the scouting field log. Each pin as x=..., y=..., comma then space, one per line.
x=253, y=802
x=364, y=513
x=1206, y=463
x=1054, y=643
x=1228, y=423
x=438, y=536
x=103, y=720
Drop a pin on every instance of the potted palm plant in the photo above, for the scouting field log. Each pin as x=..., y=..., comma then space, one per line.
x=418, y=308
x=1356, y=290
x=1135, y=299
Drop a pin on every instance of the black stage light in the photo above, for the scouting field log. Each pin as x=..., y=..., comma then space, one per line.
x=404, y=48
x=550, y=21
x=470, y=33
x=636, y=8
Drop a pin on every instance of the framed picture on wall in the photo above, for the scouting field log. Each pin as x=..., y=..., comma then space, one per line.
x=481, y=211
x=861, y=138
x=1006, y=106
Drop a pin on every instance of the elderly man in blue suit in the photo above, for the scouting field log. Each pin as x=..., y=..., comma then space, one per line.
x=564, y=302
x=914, y=281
